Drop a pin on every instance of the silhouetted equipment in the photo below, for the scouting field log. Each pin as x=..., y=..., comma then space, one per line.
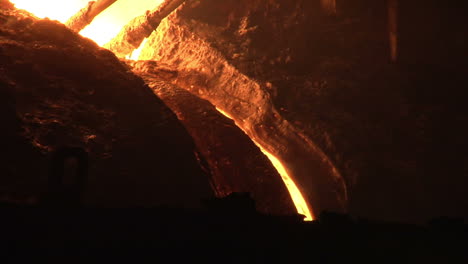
x=448, y=224
x=335, y=219
x=237, y=202
x=59, y=193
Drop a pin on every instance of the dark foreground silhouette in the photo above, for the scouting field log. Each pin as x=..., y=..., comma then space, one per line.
x=219, y=235
x=227, y=230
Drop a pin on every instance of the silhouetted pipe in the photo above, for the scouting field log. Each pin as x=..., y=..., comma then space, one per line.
x=58, y=194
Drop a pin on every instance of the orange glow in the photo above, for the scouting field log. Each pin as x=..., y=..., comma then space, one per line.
x=60, y=10
x=108, y=24
x=296, y=195
x=104, y=27
x=136, y=53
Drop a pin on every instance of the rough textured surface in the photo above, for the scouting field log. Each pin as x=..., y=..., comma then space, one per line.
x=5, y=4
x=204, y=70
x=131, y=35
x=58, y=89
x=235, y=163
x=396, y=132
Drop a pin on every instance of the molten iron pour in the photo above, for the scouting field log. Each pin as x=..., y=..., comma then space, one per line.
x=113, y=20
x=296, y=195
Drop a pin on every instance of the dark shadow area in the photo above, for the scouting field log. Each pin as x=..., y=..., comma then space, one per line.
x=61, y=228
x=68, y=178
x=228, y=229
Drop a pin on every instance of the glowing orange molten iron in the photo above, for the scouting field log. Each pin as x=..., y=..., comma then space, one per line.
x=107, y=25
x=296, y=195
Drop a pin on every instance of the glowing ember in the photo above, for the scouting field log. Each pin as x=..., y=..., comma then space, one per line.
x=296, y=195
x=136, y=53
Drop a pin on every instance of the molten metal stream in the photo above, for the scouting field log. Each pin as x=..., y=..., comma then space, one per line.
x=296, y=195
x=107, y=25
